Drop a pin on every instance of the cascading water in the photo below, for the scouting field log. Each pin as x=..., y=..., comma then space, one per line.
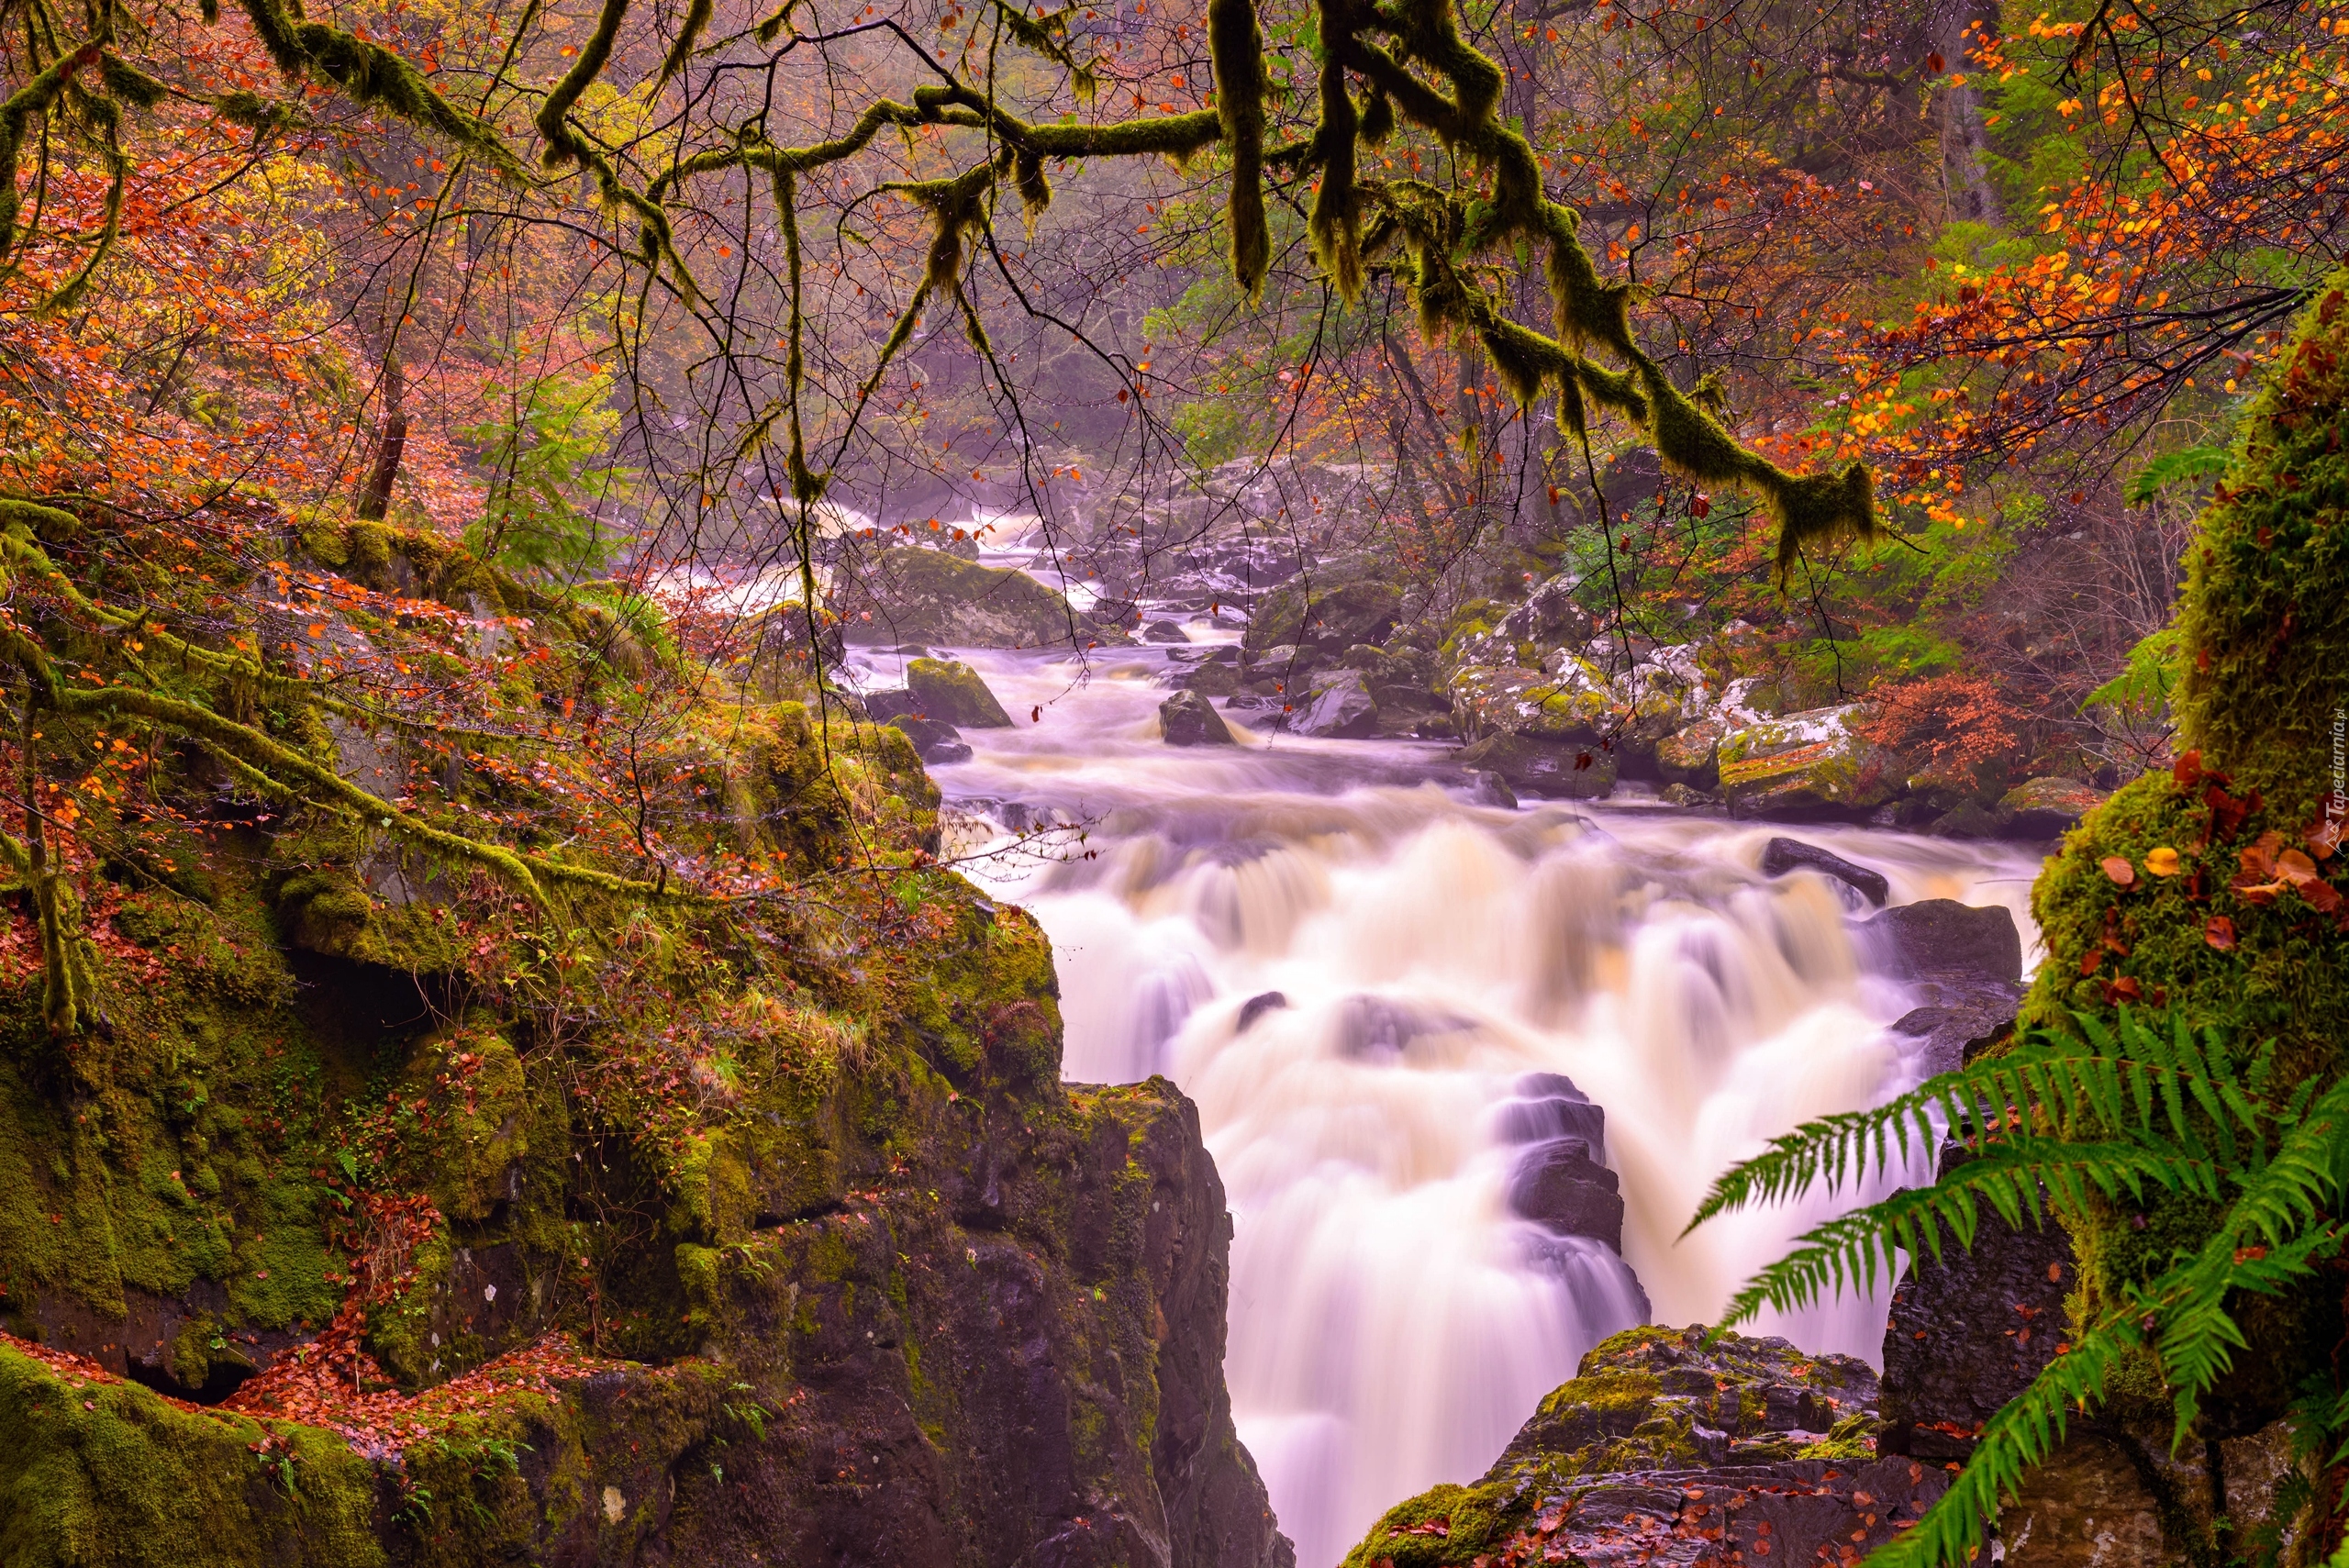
x=1358, y=977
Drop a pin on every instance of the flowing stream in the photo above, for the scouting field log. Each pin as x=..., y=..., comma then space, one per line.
x=1392, y=1323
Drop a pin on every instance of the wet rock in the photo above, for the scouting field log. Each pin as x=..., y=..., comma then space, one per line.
x=1558, y=1184
x=1969, y=1332
x=1959, y=1023
x=1337, y=706
x=1163, y=631
x=1804, y=765
x=888, y=703
x=1574, y=707
x=1681, y=795
x=1547, y=1106
x=937, y=743
x=1187, y=718
x=1400, y=681
x=1780, y=856
x=1256, y=1007
x=1942, y=938
x=2044, y=807
x=1210, y=671
x=1558, y=770
x=1665, y=1449
x=1486, y=787
x=1344, y=603
x=952, y=691
x=1691, y=756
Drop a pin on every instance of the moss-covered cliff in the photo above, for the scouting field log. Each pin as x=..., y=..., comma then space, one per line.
x=2211, y=886
x=381, y=1214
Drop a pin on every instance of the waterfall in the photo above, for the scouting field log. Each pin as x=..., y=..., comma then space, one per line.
x=1387, y=1002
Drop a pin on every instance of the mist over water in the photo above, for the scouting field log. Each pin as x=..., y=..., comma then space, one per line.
x=1392, y=1323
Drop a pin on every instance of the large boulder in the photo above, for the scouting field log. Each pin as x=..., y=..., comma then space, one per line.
x=1692, y=756
x=1806, y=765
x=929, y=596
x=1942, y=938
x=1549, y=618
x=1342, y=605
x=953, y=693
x=1559, y=769
x=1665, y=1448
x=1337, y=706
x=1187, y=718
x=1574, y=705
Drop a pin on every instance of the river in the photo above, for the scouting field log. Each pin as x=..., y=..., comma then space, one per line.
x=1392, y=1323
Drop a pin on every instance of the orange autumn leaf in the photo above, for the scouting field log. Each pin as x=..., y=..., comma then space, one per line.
x=2118, y=868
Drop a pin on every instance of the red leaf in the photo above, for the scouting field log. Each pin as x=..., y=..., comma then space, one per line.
x=2220, y=932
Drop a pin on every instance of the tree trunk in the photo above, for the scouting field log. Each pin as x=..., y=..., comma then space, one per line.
x=375, y=495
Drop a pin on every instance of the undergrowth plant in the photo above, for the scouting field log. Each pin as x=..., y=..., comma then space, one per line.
x=2053, y=1125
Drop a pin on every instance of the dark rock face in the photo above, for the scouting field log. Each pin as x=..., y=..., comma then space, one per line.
x=1163, y=631
x=1337, y=706
x=1780, y=856
x=1401, y=682
x=951, y=692
x=1942, y=938
x=1187, y=718
x=1255, y=1007
x=1559, y=1184
x=1968, y=1333
x=938, y=743
x=1664, y=1450
x=1955, y=1027
x=1015, y=1435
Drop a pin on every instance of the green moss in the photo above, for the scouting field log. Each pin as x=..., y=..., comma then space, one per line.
x=1445, y=1527
x=97, y=1474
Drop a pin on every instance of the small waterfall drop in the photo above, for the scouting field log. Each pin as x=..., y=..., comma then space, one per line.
x=1361, y=981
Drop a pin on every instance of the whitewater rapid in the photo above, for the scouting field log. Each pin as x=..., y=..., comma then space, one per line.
x=1392, y=1324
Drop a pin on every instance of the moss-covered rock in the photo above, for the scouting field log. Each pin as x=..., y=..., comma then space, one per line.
x=1661, y=1435
x=1804, y=765
x=951, y=692
x=929, y=596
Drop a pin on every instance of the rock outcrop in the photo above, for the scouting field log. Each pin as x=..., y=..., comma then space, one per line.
x=1667, y=1449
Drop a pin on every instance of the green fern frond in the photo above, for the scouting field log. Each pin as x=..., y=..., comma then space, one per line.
x=2062, y=1122
x=2138, y=1085
x=2016, y=1173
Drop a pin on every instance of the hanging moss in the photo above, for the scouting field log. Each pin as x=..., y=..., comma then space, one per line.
x=1237, y=51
